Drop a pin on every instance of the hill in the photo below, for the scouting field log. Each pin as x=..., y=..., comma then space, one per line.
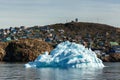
x=21, y=43
x=83, y=30
x=83, y=27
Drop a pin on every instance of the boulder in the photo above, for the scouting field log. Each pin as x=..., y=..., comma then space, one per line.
x=25, y=50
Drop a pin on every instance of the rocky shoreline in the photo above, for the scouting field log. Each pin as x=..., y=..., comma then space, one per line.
x=25, y=50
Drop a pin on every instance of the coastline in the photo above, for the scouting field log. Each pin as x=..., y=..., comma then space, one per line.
x=25, y=44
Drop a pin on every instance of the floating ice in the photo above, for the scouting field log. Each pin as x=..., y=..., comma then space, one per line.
x=67, y=54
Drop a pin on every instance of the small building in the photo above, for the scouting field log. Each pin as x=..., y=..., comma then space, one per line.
x=22, y=27
x=76, y=20
x=47, y=40
x=115, y=49
x=6, y=39
x=61, y=31
x=7, y=31
x=52, y=30
x=114, y=44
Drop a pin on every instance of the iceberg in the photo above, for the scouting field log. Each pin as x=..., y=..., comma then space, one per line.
x=67, y=54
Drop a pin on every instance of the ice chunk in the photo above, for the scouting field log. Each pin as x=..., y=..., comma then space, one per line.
x=67, y=54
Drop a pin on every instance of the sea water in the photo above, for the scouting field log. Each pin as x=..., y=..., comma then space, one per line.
x=17, y=71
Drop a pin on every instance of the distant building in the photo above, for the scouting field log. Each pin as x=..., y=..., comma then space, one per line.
x=6, y=39
x=115, y=49
x=114, y=43
x=76, y=20
x=23, y=27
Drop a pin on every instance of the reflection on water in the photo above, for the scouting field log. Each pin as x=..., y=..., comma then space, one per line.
x=64, y=74
x=18, y=72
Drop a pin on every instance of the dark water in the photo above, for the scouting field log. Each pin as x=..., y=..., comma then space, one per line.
x=18, y=72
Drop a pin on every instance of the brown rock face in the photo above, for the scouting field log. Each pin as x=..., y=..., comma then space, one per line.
x=2, y=54
x=2, y=50
x=105, y=59
x=25, y=50
x=114, y=57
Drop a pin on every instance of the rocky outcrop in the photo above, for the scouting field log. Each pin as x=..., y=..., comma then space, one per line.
x=2, y=53
x=114, y=57
x=3, y=45
x=23, y=50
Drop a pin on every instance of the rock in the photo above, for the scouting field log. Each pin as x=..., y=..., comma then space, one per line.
x=114, y=57
x=2, y=53
x=3, y=45
x=105, y=59
x=25, y=50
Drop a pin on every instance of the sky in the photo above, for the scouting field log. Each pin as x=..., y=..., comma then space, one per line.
x=16, y=13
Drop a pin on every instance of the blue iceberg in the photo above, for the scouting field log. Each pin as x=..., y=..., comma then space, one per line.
x=67, y=54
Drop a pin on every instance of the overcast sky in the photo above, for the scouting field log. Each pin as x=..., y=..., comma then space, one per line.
x=43, y=12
